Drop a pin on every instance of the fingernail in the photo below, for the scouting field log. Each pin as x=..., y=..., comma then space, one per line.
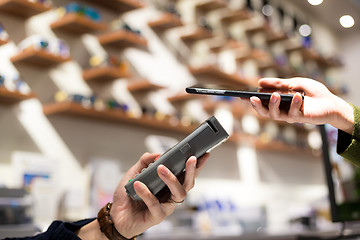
x=138, y=186
x=296, y=99
x=252, y=102
x=273, y=99
x=194, y=164
x=164, y=171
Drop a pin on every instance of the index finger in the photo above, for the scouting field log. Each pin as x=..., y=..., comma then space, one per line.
x=298, y=84
x=143, y=162
x=201, y=161
x=274, y=83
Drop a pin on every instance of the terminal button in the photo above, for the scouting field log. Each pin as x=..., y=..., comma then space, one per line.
x=185, y=148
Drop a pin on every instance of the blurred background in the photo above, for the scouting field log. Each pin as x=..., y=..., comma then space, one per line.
x=87, y=87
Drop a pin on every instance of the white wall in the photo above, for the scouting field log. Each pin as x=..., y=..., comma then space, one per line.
x=350, y=53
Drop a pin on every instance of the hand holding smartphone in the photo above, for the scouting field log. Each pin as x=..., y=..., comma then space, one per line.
x=263, y=94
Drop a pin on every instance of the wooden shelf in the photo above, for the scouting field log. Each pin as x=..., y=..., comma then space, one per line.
x=23, y=8
x=103, y=74
x=39, y=58
x=213, y=72
x=182, y=97
x=256, y=29
x=74, y=23
x=236, y=106
x=311, y=54
x=142, y=86
x=196, y=35
x=235, y=16
x=262, y=66
x=259, y=54
x=10, y=97
x=122, y=39
x=226, y=44
x=75, y=109
x=3, y=42
x=165, y=21
x=292, y=47
x=211, y=5
x=279, y=146
x=242, y=56
x=119, y=6
x=273, y=36
x=273, y=146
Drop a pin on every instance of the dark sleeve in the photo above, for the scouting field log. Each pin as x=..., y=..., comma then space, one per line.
x=59, y=231
x=348, y=146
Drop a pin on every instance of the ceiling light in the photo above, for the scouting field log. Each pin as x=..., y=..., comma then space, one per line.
x=347, y=21
x=305, y=30
x=267, y=10
x=315, y=2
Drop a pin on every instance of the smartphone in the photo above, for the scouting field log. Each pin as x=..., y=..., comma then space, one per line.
x=245, y=92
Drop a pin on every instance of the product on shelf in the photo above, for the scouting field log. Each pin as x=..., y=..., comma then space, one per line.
x=120, y=24
x=21, y=85
x=4, y=36
x=54, y=46
x=2, y=80
x=113, y=104
x=112, y=60
x=170, y=7
x=92, y=102
x=154, y=113
x=150, y=111
x=203, y=22
x=270, y=132
x=81, y=10
x=170, y=18
x=85, y=101
x=14, y=84
x=99, y=104
x=249, y=5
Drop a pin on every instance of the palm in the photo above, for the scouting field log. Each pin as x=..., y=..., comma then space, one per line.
x=318, y=104
x=134, y=217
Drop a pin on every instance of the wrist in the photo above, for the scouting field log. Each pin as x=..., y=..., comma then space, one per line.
x=345, y=117
x=91, y=231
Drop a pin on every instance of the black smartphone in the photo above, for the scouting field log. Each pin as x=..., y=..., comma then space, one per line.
x=245, y=92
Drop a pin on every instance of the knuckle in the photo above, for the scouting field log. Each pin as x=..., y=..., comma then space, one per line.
x=152, y=204
x=190, y=185
x=263, y=113
x=162, y=215
x=144, y=154
x=182, y=195
x=293, y=116
x=172, y=178
x=274, y=116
